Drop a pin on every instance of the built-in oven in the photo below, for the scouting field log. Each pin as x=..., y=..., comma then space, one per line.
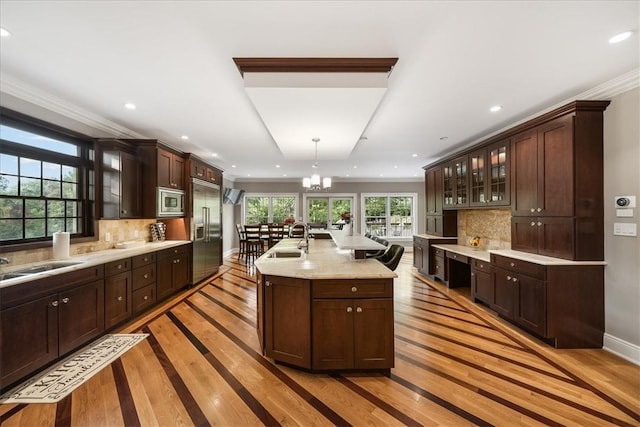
x=170, y=202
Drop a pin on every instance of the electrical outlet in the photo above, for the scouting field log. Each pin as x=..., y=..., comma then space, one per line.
x=107, y=237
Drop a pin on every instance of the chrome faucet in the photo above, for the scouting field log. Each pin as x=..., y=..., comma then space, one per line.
x=5, y=261
x=305, y=226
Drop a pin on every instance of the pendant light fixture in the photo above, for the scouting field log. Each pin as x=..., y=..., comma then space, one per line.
x=313, y=183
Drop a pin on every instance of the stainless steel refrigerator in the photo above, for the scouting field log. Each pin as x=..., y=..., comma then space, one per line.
x=206, y=229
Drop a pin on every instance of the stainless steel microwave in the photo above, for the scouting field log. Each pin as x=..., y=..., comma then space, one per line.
x=170, y=202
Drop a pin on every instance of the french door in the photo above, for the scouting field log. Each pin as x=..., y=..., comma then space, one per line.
x=326, y=212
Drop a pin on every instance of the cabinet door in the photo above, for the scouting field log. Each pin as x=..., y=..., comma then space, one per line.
x=556, y=237
x=80, y=315
x=164, y=277
x=555, y=168
x=530, y=309
x=182, y=271
x=478, y=178
x=177, y=171
x=440, y=268
x=433, y=190
x=448, y=186
x=524, y=234
x=288, y=320
x=461, y=172
x=32, y=330
x=333, y=344
x=504, y=292
x=481, y=286
x=117, y=298
x=165, y=159
x=417, y=256
x=498, y=174
x=373, y=315
x=435, y=225
x=131, y=183
x=524, y=173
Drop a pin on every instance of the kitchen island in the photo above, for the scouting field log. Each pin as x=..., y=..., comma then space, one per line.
x=325, y=310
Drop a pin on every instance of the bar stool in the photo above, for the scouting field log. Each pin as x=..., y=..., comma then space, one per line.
x=242, y=242
x=253, y=237
x=276, y=234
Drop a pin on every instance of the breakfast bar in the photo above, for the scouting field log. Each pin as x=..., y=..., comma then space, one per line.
x=325, y=310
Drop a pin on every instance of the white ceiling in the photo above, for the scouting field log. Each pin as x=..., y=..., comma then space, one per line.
x=173, y=59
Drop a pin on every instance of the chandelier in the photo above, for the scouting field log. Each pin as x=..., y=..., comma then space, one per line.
x=313, y=183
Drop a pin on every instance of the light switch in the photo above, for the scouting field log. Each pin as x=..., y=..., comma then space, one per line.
x=625, y=229
x=624, y=213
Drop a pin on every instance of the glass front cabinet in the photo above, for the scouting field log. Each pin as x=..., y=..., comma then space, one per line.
x=489, y=175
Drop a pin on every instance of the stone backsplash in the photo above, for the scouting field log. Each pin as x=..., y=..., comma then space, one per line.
x=493, y=226
x=118, y=231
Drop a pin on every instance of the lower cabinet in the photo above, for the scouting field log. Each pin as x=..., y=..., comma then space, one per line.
x=561, y=303
x=481, y=281
x=46, y=328
x=117, y=292
x=173, y=270
x=144, y=282
x=439, y=264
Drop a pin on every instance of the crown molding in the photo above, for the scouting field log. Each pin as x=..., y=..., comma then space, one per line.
x=52, y=103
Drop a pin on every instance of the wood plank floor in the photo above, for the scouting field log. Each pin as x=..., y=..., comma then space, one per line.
x=456, y=364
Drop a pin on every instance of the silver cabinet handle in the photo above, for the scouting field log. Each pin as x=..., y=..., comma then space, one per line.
x=54, y=303
x=146, y=276
x=508, y=277
x=267, y=284
x=533, y=223
x=512, y=264
x=455, y=256
x=539, y=209
x=65, y=300
x=473, y=274
x=354, y=289
x=533, y=210
x=119, y=266
x=145, y=298
x=359, y=310
x=481, y=265
x=349, y=309
x=539, y=223
x=145, y=259
x=178, y=261
x=119, y=298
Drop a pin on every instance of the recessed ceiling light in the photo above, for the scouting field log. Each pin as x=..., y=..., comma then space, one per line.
x=277, y=166
x=347, y=175
x=248, y=174
x=284, y=174
x=355, y=166
x=381, y=174
x=185, y=137
x=395, y=166
x=130, y=106
x=4, y=32
x=214, y=154
x=414, y=155
x=233, y=166
x=495, y=108
x=620, y=37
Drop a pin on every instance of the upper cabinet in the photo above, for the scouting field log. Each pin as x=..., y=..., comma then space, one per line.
x=201, y=170
x=121, y=181
x=455, y=175
x=438, y=221
x=489, y=182
x=170, y=169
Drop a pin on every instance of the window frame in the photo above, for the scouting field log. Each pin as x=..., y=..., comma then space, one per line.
x=414, y=213
x=85, y=165
x=270, y=209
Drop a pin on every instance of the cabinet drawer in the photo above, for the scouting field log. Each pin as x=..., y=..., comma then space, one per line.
x=420, y=241
x=144, y=259
x=439, y=268
x=172, y=252
x=458, y=257
x=480, y=265
x=437, y=251
x=376, y=288
x=144, y=276
x=144, y=298
x=524, y=267
x=116, y=267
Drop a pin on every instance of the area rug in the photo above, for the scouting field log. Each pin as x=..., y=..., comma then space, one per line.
x=61, y=379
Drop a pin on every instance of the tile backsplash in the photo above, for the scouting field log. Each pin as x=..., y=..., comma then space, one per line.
x=118, y=231
x=493, y=226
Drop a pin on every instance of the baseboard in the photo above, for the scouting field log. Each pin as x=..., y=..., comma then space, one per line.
x=229, y=252
x=622, y=348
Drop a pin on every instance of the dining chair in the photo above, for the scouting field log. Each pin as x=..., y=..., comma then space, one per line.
x=242, y=242
x=255, y=245
x=296, y=231
x=276, y=234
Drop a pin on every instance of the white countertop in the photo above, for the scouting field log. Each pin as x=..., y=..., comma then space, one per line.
x=86, y=260
x=356, y=241
x=324, y=261
x=433, y=237
x=523, y=256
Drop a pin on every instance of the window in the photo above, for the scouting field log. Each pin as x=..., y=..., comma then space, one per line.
x=46, y=182
x=263, y=209
x=389, y=215
x=321, y=210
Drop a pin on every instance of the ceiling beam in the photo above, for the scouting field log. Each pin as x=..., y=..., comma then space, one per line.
x=315, y=65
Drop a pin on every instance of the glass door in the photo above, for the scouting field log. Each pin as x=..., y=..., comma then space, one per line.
x=326, y=212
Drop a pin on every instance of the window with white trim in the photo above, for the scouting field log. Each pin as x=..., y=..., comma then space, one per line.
x=389, y=215
x=269, y=208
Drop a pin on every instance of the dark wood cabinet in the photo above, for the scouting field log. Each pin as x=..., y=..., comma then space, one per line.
x=481, y=282
x=288, y=320
x=121, y=182
x=557, y=184
x=173, y=270
x=202, y=170
x=439, y=264
x=455, y=174
x=46, y=319
x=438, y=221
x=170, y=169
x=561, y=303
x=143, y=282
x=489, y=175
x=117, y=292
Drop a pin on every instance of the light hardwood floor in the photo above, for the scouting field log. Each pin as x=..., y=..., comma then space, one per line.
x=456, y=364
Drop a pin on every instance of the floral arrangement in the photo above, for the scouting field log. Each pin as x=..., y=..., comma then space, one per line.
x=346, y=217
x=475, y=242
x=290, y=220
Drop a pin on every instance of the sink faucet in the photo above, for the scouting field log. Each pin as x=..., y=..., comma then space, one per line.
x=305, y=226
x=5, y=261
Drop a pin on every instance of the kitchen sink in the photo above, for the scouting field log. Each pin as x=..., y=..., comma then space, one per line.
x=53, y=265
x=285, y=254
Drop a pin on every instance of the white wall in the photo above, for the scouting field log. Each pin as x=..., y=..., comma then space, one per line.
x=622, y=254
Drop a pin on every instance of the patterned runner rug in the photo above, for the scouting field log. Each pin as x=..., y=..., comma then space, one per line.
x=61, y=379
